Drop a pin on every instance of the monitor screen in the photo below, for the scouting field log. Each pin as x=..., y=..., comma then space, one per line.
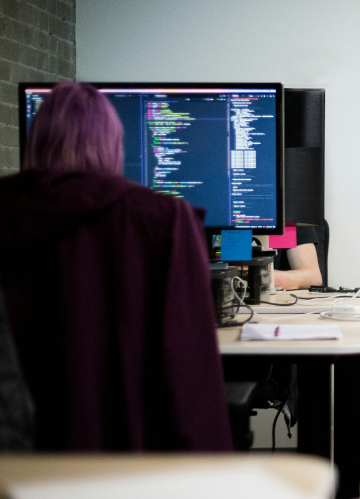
x=219, y=146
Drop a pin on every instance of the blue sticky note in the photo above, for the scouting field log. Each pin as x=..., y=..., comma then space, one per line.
x=236, y=245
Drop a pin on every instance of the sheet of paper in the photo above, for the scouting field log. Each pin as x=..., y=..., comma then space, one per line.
x=275, y=332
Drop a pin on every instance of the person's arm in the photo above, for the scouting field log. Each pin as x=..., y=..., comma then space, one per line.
x=305, y=270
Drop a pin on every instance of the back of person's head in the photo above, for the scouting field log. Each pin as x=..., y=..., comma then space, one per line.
x=75, y=129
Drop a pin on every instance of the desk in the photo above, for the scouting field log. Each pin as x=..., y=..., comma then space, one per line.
x=317, y=360
x=167, y=476
x=307, y=302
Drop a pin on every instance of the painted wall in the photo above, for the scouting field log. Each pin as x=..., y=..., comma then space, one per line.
x=307, y=43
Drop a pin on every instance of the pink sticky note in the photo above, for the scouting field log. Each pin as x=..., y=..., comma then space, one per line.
x=288, y=240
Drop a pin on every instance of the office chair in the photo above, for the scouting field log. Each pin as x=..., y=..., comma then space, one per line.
x=244, y=397
x=270, y=382
x=322, y=249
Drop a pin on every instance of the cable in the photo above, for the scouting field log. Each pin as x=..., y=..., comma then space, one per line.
x=287, y=316
x=355, y=296
x=274, y=424
x=280, y=408
x=231, y=323
x=337, y=317
x=241, y=299
x=243, y=283
x=297, y=299
x=342, y=313
x=326, y=314
x=270, y=371
x=336, y=297
x=276, y=304
x=326, y=289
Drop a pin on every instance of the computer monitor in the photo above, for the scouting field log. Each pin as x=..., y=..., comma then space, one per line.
x=220, y=146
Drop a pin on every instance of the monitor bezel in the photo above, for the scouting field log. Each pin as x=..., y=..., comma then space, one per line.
x=280, y=127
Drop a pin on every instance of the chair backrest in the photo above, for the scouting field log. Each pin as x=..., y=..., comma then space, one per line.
x=322, y=249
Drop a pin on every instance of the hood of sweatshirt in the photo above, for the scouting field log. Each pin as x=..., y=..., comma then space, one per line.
x=35, y=205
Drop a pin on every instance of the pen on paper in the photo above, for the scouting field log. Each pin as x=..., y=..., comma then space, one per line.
x=277, y=331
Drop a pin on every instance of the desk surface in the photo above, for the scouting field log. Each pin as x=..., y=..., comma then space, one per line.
x=307, y=302
x=308, y=477
x=229, y=342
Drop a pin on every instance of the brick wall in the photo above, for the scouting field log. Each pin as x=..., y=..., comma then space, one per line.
x=37, y=43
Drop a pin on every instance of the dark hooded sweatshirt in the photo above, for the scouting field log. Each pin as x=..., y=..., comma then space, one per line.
x=108, y=293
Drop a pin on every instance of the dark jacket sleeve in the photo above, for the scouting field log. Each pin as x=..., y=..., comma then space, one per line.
x=193, y=362
x=16, y=406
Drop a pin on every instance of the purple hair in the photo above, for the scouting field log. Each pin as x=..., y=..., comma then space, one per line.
x=75, y=129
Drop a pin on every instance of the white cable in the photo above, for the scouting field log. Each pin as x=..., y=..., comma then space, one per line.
x=355, y=295
x=244, y=284
x=323, y=314
x=336, y=297
x=286, y=316
x=338, y=317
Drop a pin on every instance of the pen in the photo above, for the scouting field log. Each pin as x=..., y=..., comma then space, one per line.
x=277, y=331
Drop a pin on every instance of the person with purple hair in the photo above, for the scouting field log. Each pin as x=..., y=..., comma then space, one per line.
x=76, y=130
x=107, y=287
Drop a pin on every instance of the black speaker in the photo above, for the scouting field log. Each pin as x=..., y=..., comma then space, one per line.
x=304, y=155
